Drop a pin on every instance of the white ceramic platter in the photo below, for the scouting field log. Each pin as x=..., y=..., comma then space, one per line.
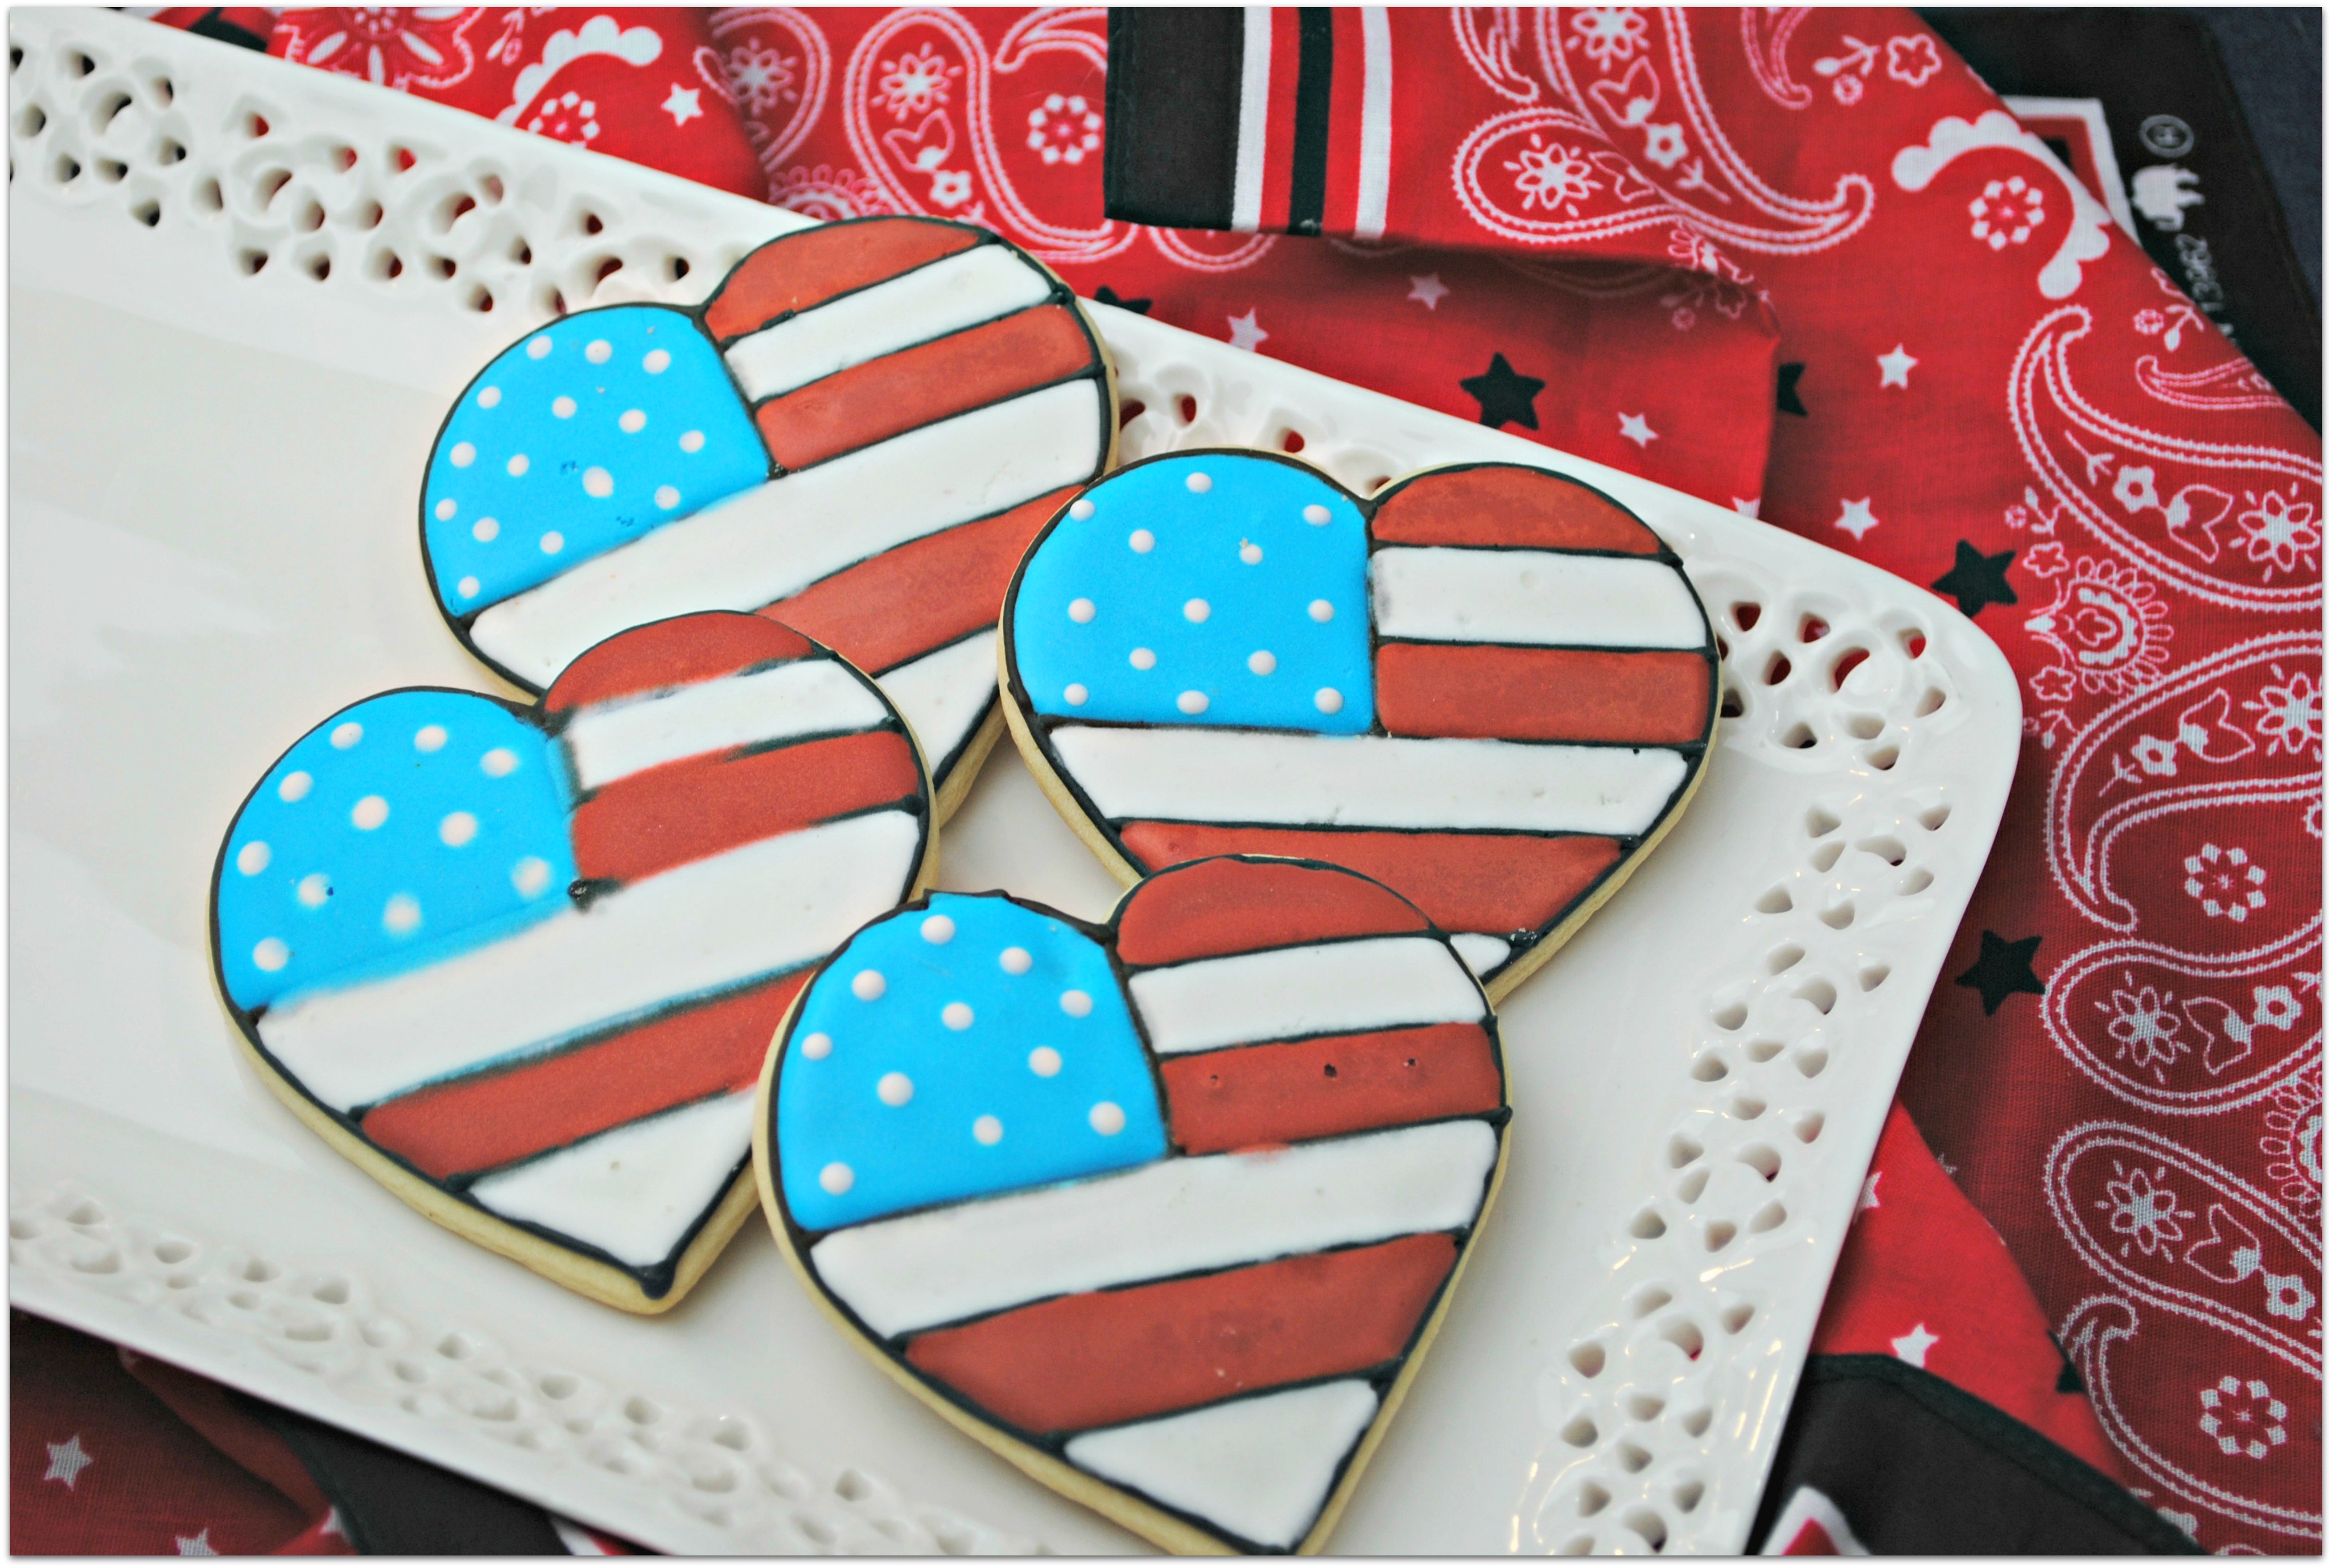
x=212, y=475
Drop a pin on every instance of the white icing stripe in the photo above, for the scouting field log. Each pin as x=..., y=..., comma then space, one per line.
x=945, y=296
x=943, y=696
x=767, y=907
x=1211, y=1211
x=805, y=697
x=633, y=1191
x=777, y=539
x=1375, y=178
x=1335, y=988
x=1254, y=119
x=1259, y=1468
x=1545, y=597
x=1183, y=774
x=1482, y=951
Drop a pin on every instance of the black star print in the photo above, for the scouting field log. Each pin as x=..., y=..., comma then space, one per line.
x=1786, y=394
x=2002, y=969
x=1977, y=579
x=1504, y=395
x=1108, y=296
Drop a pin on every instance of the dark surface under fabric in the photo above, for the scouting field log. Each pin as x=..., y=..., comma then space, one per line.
x=1920, y=1466
x=393, y=1504
x=2212, y=208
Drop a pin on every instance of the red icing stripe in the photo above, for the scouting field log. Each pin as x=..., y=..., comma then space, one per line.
x=479, y=1122
x=1543, y=694
x=664, y=816
x=1119, y=1355
x=809, y=268
x=1501, y=504
x=1238, y=1099
x=905, y=602
x=1239, y=905
x=952, y=375
x=1487, y=882
x=679, y=652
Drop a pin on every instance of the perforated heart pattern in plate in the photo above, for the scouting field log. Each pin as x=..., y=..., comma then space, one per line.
x=521, y=964
x=1489, y=686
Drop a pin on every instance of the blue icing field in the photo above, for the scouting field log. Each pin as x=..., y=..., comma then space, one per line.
x=968, y=1049
x=594, y=431
x=1211, y=590
x=398, y=831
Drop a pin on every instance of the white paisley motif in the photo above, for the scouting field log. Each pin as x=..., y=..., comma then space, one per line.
x=2041, y=388
x=759, y=69
x=1765, y=32
x=948, y=189
x=2092, y=1333
x=1516, y=143
x=1916, y=169
x=1798, y=225
x=2081, y=834
x=1488, y=36
x=2189, y=1034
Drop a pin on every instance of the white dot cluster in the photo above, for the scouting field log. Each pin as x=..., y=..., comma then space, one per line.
x=401, y=914
x=894, y=1088
x=1261, y=663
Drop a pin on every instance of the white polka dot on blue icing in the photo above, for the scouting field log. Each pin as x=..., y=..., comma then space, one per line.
x=1263, y=572
x=392, y=849
x=1013, y=1100
x=583, y=422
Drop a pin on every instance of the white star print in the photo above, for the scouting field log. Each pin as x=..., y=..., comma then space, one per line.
x=331, y=1524
x=1245, y=333
x=197, y=1544
x=1914, y=1346
x=1854, y=516
x=1895, y=369
x=67, y=1460
x=1427, y=290
x=1747, y=507
x=1633, y=427
x=1869, y=1199
x=683, y=105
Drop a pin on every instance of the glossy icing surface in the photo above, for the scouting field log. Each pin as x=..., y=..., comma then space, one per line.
x=991, y=1050
x=400, y=831
x=776, y=539
x=1517, y=705
x=938, y=298
x=1335, y=987
x=1261, y=1467
x=1368, y=780
x=700, y=809
x=589, y=433
x=1212, y=589
x=1165, y=1317
x=1168, y=1218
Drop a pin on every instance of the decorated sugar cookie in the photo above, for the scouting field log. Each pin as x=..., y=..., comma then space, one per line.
x=1491, y=687
x=1166, y=1212
x=523, y=964
x=859, y=434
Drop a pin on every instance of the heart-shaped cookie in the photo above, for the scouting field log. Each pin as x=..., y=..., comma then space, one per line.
x=523, y=964
x=1166, y=1212
x=1489, y=686
x=858, y=434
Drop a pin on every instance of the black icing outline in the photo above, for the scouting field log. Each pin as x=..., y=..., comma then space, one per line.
x=799, y=1240
x=1100, y=369
x=655, y=1280
x=1041, y=725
